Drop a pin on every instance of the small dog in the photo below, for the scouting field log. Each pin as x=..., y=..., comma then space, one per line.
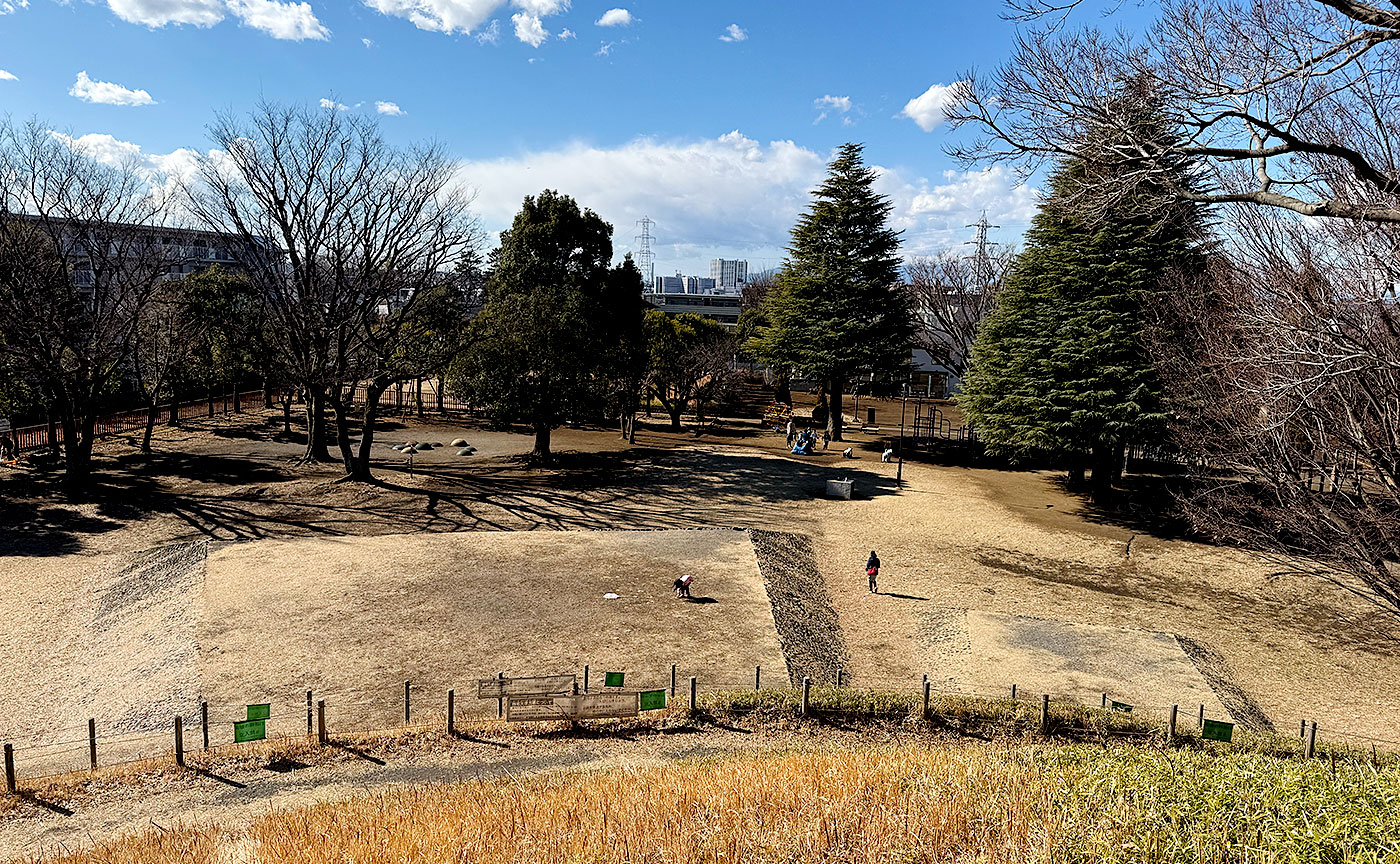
x=887, y=456
x=848, y=453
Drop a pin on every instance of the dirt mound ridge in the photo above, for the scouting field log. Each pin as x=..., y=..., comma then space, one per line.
x=808, y=627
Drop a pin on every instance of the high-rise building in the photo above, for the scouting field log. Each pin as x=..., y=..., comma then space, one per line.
x=729, y=274
x=699, y=285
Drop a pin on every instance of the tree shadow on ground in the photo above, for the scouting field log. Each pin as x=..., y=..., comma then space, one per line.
x=1141, y=503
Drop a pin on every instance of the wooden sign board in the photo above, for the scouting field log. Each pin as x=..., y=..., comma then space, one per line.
x=599, y=706
x=525, y=709
x=1214, y=730
x=541, y=685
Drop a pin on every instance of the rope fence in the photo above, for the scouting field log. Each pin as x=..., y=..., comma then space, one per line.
x=316, y=716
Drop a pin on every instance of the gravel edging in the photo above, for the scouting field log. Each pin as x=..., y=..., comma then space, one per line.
x=808, y=627
x=1221, y=678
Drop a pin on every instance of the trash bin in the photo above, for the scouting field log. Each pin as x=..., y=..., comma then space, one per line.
x=839, y=489
x=870, y=416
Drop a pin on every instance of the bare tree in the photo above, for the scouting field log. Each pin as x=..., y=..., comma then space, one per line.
x=80, y=256
x=1283, y=367
x=1284, y=103
x=952, y=296
x=346, y=238
x=163, y=344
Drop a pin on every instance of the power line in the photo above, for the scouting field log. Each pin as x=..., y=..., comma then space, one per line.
x=646, y=259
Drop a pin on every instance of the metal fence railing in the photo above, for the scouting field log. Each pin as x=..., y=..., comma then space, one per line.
x=28, y=439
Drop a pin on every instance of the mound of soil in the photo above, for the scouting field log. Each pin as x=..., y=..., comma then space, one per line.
x=808, y=627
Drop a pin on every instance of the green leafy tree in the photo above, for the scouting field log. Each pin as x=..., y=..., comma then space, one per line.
x=1060, y=368
x=543, y=348
x=689, y=360
x=838, y=308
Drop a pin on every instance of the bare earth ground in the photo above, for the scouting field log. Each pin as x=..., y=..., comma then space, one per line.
x=990, y=577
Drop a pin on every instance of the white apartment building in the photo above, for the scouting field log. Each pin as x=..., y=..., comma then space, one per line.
x=729, y=274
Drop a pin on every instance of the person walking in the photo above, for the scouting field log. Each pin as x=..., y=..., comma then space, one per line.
x=791, y=432
x=872, y=570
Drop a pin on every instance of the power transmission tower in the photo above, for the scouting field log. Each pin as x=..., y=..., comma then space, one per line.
x=982, y=259
x=646, y=259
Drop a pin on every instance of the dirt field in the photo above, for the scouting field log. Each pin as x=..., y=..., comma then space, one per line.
x=978, y=545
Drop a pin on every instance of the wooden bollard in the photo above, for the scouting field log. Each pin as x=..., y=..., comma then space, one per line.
x=204, y=722
x=179, y=741
x=673, y=682
x=451, y=710
x=585, y=677
x=1201, y=718
x=92, y=743
x=321, y=722
x=1312, y=741
x=407, y=687
x=757, y=676
x=924, y=713
x=1013, y=692
x=1103, y=700
x=1171, y=725
x=501, y=702
x=10, y=768
x=694, y=693
x=309, y=728
x=1044, y=713
x=840, y=677
x=1303, y=728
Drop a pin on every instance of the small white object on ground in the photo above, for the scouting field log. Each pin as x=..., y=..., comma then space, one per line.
x=611, y=596
x=848, y=452
x=466, y=452
x=887, y=455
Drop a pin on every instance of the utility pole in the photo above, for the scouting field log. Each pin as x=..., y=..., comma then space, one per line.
x=646, y=259
x=982, y=259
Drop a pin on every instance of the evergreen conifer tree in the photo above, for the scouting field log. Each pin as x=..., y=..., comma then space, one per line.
x=1060, y=368
x=838, y=308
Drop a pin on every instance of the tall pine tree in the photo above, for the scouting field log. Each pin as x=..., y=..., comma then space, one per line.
x=1060, y=368
x=837, y=308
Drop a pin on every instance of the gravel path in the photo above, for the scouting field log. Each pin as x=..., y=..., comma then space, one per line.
x=808, y=627
x=1217, y=672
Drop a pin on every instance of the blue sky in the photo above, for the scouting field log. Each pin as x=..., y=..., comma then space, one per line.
x=708, y=117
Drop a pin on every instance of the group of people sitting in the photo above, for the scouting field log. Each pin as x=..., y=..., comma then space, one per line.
x=804, y=443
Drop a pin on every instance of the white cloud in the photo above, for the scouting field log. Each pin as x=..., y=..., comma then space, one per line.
x=927, y=108
x=529, y=29
x=7, y=76
x=390, y=108
x=615, y=18
x=734, y=33
x=293, y=21
x=832, y=104
x=334, y=105
x=158, y=13
x=605, y=49
x=566, y=33
x=465, y=16
x=490, y=35
x=734, y=193
x=368, y=42
x=107, y=93
x=10, y=6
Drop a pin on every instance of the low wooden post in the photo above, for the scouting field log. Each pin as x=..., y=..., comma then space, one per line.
x=926, y=693
x=179, y=741
x=840, y=677
x=407, y=715
x=321, y=722
x=1201, y=718
x=501, y=702
x=1312, y=741
x=1171, y=725
x=1303, y=728
x=806, y=695
x=451, y=710
x=1013, y=692
x=308, y=714
x=204, y=722
x=585, y=677
x=673, y=682
x=92, y=743
x=694, y=693
x=757, y=674
x=1103, y=700
x=1044, y=713
x=10, y=768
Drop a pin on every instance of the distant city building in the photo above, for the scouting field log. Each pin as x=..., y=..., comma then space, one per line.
x=699, y=285
x=718, y=307
x=669, y=284
x=733, y=275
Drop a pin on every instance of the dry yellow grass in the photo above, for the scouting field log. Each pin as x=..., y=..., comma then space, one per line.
x=889, y=804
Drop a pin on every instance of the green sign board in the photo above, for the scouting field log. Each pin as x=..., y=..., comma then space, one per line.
x=1214, y=730
x=612, y=679
x=653, y=699
x=249, y=730
x=259, y=712
x=1122, y=706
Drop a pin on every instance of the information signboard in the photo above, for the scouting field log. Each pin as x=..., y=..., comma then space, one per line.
x=1122, y=706
x=651, y=700
x=612, y=679
x=249, y=730
x=541, y=685
x=259, y=712
x=599, y=706
x=1215, y=730
x=531, y=708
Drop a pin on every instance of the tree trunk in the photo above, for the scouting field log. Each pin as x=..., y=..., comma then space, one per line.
x=316, y=428
x=1108, y=468
x=441, y=385
x=150, y=426
x=211, y=401
x=361, y=470
x=541, y=450
x=237, y=408
x=833, y=409
x=418, y=395
x=341, y=409
x=286, y=414
x=783, y=387
x=53, y=435
x=675, y=409
x=77, y=454
x=174, y=406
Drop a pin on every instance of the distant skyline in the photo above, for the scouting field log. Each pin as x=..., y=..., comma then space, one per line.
x=715, y=119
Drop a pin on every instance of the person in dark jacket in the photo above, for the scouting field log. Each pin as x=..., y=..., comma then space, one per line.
x=872, y=570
